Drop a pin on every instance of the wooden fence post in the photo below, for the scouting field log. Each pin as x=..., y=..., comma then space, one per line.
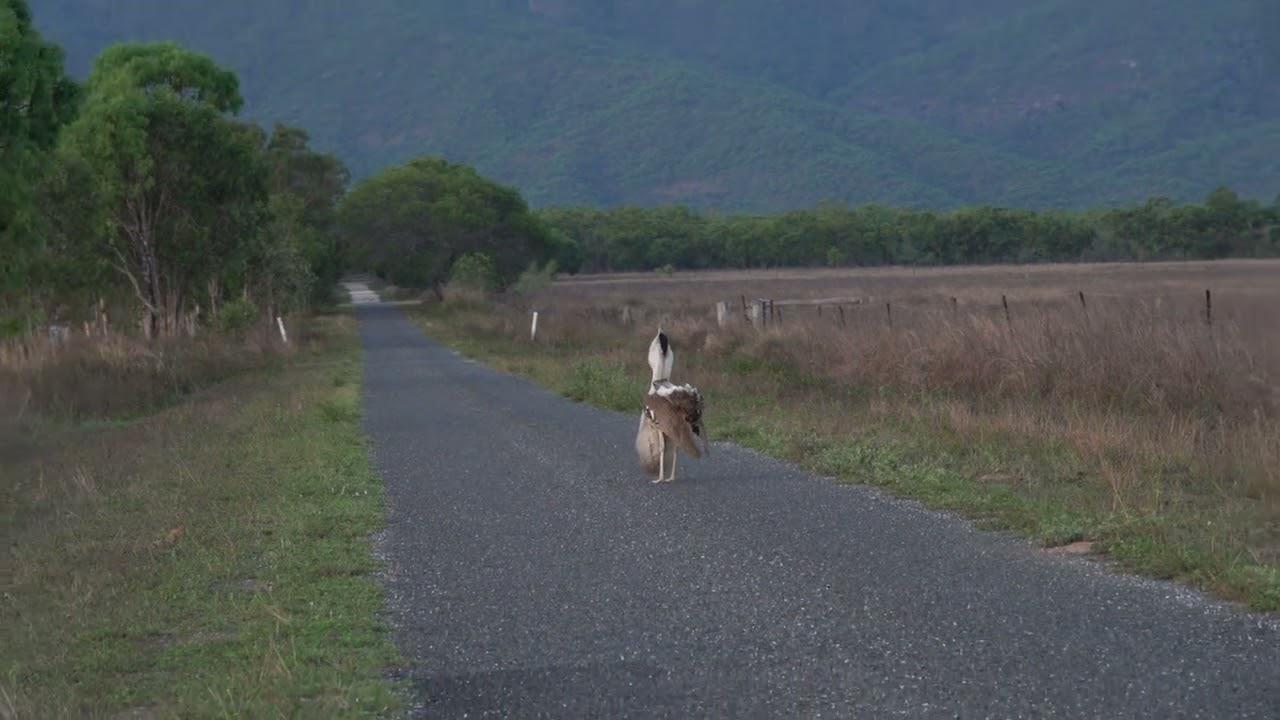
x=1208, y=307
x=841, y=309
x=1082, y=305
x=1008, y=320
x=533, y=329
x=955, y=308
x=722, y=313
x=745, y=315
x=888, y=314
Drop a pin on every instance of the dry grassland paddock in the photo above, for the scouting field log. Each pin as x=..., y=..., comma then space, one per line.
x=1245, y=293
x=1137, y=418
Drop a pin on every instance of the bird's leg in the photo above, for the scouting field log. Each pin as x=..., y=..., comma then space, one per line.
x=662, y=456
x=674, y=455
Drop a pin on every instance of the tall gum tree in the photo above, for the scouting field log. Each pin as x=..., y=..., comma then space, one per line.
x=180, y=183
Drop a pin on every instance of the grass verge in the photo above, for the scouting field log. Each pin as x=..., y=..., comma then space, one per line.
x=1004, y=472
x=210, y=559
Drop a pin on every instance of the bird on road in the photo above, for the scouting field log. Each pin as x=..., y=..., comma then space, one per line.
x=672, y=416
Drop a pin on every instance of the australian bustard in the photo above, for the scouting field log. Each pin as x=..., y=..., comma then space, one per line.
x=672, y=416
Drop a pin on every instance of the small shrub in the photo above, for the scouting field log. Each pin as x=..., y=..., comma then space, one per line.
x=533, y=279
x=237, y=316
x=667, y=269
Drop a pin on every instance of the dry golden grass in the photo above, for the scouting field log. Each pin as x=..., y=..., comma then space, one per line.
x=115, y=374
x=1245, y=293
x=1140, y=340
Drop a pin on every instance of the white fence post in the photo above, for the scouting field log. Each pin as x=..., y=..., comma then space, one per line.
x=533, y=329
x=283, y=335
x=722, y=313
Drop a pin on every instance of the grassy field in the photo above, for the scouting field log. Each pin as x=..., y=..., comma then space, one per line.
x=208, y=555
x=1128, y=427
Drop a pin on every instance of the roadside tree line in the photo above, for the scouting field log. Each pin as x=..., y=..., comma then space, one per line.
x=139, y=188
x=631, y=238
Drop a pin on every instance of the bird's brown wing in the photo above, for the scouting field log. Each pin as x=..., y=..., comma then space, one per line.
x=677, y=414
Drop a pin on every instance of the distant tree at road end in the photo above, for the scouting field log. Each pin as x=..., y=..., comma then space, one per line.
x=411, y=223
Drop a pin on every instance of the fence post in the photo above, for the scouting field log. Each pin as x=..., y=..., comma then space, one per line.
x=533, y=329
x=745, y=315
x=1082, y=305
x=841, y=309
x=1208, y=307
x=283, y=335
x=888, y=314
x=955, y=308
x=722, y=313
x=1008, y=320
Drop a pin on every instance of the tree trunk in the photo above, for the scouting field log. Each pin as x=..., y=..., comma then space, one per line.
x=214, y=292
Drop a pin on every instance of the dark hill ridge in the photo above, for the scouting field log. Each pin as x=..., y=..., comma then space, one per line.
x=749, y=105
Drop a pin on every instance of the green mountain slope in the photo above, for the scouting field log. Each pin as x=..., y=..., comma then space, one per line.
x=1092, y=80
x=746, y=105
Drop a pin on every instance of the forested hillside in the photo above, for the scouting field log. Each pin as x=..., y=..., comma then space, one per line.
x=752, y=105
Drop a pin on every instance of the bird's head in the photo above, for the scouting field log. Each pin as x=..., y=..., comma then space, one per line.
x=661, y=357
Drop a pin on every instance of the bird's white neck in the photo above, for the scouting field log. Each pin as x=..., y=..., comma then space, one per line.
x=662, y=368
x=661, y=358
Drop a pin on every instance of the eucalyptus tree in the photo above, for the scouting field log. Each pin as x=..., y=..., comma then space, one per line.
x=180, y=184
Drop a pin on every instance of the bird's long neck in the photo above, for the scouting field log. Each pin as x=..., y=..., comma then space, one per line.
x=662, y=368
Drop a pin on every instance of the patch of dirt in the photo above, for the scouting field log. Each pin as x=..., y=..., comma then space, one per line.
x=1081, y=547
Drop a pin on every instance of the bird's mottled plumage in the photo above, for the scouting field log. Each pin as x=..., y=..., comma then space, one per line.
x=672, y=416
x=677, y=411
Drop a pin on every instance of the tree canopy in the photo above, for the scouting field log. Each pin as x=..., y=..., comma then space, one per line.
x=154, y=196
x=1224, y=225
x=412, y=222
x=179, y=182
x=36, y=100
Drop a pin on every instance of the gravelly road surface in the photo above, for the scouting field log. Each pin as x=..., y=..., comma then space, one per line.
x=532, y=571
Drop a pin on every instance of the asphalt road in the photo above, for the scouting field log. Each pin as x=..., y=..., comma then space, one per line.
x=533, y=571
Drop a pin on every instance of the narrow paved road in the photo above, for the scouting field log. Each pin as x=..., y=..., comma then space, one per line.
x=360, y=293
x=533, y=572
